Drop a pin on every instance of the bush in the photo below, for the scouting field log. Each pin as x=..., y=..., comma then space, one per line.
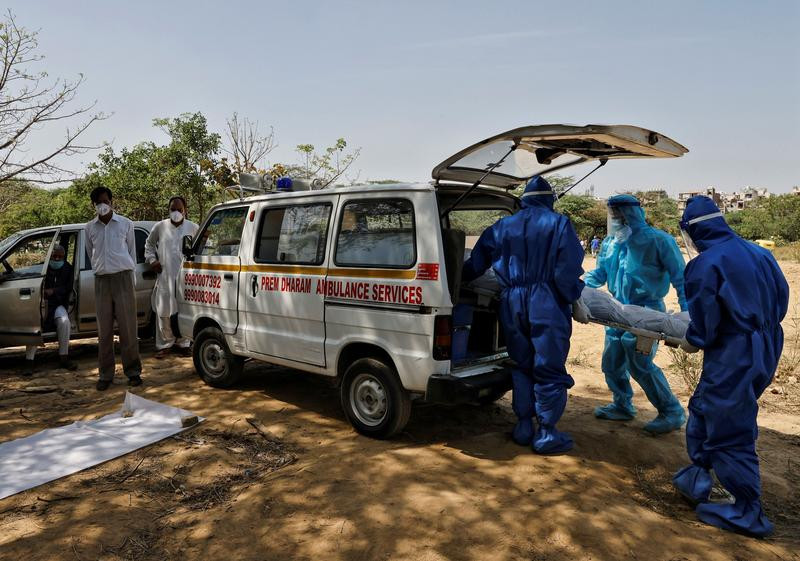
x=688, y=366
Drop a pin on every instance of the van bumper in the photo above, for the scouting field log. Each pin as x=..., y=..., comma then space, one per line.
x=450, y=389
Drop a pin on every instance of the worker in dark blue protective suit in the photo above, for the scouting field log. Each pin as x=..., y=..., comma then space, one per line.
x=537, y=258
x=737, y=298
x=638, y=263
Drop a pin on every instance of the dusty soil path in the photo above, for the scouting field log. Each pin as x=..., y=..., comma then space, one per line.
x=452, y=486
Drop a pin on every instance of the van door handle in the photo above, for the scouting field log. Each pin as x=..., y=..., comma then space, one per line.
x=228, y=276
x=25, y=291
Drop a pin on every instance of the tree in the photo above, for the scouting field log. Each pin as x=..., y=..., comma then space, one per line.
x=559, y=183
x=588, y=215
x=191, y=158
x=29, y=103
x=329, y=165
x=660, y=211
x=246, y=145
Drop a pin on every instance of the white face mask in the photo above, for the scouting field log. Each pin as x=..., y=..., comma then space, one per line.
x=176, y=216
x=102, y=209
x=622, y=234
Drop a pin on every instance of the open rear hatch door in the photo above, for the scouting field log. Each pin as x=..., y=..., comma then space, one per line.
x=543, y=149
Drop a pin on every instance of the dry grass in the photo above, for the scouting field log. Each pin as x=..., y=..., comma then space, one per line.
x=789, y=252
x=655, y=491
x=688, y=366
x=177, y=489
x=579, y=357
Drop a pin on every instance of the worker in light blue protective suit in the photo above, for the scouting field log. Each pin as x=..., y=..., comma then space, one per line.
x=537, y=258
x=737, y=298
x=638, y=263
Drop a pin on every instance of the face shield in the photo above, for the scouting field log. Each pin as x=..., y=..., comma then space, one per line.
x=691, y=248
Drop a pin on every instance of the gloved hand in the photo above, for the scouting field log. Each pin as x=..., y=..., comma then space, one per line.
x=686, y=346
x=580, y=311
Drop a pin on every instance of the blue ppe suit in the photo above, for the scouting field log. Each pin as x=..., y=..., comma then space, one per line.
x=737, y=298
x=537, y=259
x=638, y=271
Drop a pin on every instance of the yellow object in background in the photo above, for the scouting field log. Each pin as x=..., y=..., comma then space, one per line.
x=766, y=244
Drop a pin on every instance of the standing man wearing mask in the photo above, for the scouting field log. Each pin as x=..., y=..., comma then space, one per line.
x=111, y=246
x=162, y=251
x=738, y=297
x=638, y=263
x=537, y=258
x=57, y=291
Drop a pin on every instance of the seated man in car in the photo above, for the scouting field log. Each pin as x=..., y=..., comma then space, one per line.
x=57, y=289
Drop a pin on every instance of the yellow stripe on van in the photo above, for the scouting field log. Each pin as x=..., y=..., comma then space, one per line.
x=210, y=266
x=288, y=269
x=374, y=273
x=393, y=274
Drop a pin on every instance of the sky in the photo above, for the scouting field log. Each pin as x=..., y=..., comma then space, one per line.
x=412, y=83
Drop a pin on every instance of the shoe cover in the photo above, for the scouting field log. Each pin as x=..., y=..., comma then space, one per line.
x=613, y=412
x=665, y=423
x=523, y=432
x=550, y=441
x=694, y=483
x=743, y=517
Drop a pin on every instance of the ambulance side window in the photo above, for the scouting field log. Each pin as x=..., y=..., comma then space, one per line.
x=294, y=234
x=377, y=233
x=222, y=233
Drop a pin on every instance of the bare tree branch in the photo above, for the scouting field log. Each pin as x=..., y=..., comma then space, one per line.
x=28, y=104
x=245, y=145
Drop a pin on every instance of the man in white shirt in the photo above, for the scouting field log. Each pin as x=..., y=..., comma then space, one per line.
x=111, y=245
x=162, y=251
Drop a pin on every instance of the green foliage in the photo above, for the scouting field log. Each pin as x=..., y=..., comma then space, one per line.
x=474, y=222
x=145, y=176
x=329, y=165
x=660, y=211
x=559, y=183
x=588, y=215
x=776, y=218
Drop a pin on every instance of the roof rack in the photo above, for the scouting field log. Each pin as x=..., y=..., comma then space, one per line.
x=264, y=183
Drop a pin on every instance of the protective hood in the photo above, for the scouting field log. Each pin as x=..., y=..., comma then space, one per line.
x=538, y=193
x=704, y=233
x=631, y=210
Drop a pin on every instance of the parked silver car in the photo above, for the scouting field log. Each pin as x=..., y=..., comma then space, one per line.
x=23, y=263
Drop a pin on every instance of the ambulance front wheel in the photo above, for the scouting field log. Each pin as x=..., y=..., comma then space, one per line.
x=373, y=399
x=213, y=359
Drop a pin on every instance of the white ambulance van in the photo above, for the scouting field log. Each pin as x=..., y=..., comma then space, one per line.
x=363, y=284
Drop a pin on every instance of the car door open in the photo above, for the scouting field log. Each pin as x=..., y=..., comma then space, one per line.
x=23, y=269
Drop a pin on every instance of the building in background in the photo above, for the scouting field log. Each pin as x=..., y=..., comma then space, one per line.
x=744, y=199
x=710, y=192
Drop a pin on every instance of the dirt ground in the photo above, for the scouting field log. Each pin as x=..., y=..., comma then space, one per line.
x=452, y=486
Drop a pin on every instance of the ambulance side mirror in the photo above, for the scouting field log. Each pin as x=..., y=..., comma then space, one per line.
x=186, y=248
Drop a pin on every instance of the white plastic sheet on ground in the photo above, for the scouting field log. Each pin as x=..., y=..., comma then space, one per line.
x=54, y=453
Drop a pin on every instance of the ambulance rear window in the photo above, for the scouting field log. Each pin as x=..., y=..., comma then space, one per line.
x=377, y=233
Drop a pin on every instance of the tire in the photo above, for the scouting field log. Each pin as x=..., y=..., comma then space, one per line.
x=492, y=397
x=373, y=399
x=213, y=360
x=148, y=331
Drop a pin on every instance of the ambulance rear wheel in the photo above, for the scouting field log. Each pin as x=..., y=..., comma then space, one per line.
x=213, y=359
x=373, y=399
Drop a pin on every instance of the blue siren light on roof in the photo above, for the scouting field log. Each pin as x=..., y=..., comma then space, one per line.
x=284, y=184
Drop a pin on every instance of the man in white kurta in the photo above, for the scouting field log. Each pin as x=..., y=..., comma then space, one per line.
x=162, y=251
